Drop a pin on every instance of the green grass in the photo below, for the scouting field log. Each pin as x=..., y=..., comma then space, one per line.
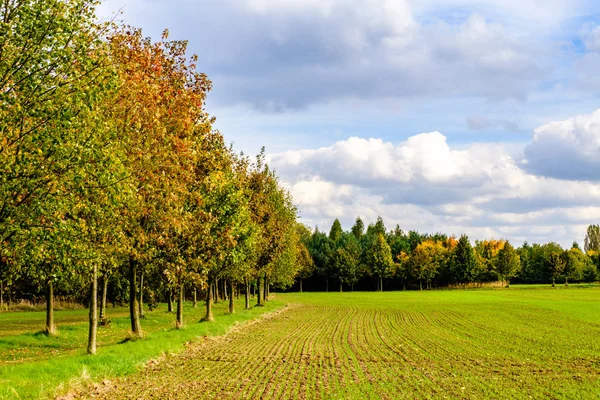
x=472, y=344
x=33, y=365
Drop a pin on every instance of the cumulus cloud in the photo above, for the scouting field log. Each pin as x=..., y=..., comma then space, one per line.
x=568, y=149
x=424, y=183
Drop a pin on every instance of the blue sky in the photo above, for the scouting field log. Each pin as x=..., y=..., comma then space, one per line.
x=461, y=116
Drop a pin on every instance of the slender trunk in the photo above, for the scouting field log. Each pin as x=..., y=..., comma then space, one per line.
x=247, y=294
x=260, y=290
x=142, y=295
x=237, y=292
x=209, y=300
x=216, y=290
x=231, y=304
x=1, y=296
x=136, y=327
x=195, y=300
x=93, y=331
x=420, y=285
x=300, y=285
x=253, y=288
x=179, y=321
x=507, y=283
x=170, y=300
x=552, y=281
x=352, y=287
x=341, y=289
x=380, y=284
x=225, y=292
x=103, y=297
x=327, y=285
x=50, y=328
x=266, y=291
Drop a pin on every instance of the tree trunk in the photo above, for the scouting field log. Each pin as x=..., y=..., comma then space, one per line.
x=266, y=291
x=420, y=285
x=253, y=288
x=237, y=292
x=1, y=296
x=93, y=331
x=103, y=297
x=380, y=284
x=327, y=285
x=259, y=294
x=136, y=327
x=267, y=288
x=50, y=328
x=247, y=294
x=209, y=300
x=231, y=303
x=179, y=320
x=195, y=300
x=552, y=281
x=142, y=295
x=300, y=285
x=216, y=290
x=341, y=289
x=170, y=300
x=225, y=292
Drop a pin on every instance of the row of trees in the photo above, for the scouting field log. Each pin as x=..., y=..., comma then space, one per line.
x=111, y=173
x=418, y=260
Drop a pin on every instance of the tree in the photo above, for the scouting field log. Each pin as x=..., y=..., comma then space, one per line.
x=160, y=112
x=335, y=234
x=54, y=75
x=463, y=261
x=306, y=265
x=379, y=259
x=554, y=260
x=358, y=229
x=592, y=239
x=508, y=263
x=272, y=210
x=345, y=261
x=426, y=260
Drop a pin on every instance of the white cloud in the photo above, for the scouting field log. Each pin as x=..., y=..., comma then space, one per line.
x=568, y=149
x=425, y=184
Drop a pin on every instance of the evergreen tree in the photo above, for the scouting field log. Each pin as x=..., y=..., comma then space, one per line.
x=463, y=261
x=358, y=229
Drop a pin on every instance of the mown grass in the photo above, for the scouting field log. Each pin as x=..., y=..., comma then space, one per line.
x=472, y=344
x=33, y=365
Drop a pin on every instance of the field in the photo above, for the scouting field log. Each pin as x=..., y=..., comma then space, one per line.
x=535, y=343
x=529, y=343
x=33, y=365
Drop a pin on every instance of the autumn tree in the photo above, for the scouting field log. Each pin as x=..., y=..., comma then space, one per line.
x=427, y=258
x=272, y=210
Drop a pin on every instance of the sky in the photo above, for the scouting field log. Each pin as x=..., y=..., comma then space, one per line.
x=477, y=117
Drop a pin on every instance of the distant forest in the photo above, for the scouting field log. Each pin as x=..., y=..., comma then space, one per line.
x=377, y=259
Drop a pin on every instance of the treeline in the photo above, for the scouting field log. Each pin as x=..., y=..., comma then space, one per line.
x=374, y=258
x=114, y=186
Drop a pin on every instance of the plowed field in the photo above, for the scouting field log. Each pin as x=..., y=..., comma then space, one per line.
x=457, y=344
